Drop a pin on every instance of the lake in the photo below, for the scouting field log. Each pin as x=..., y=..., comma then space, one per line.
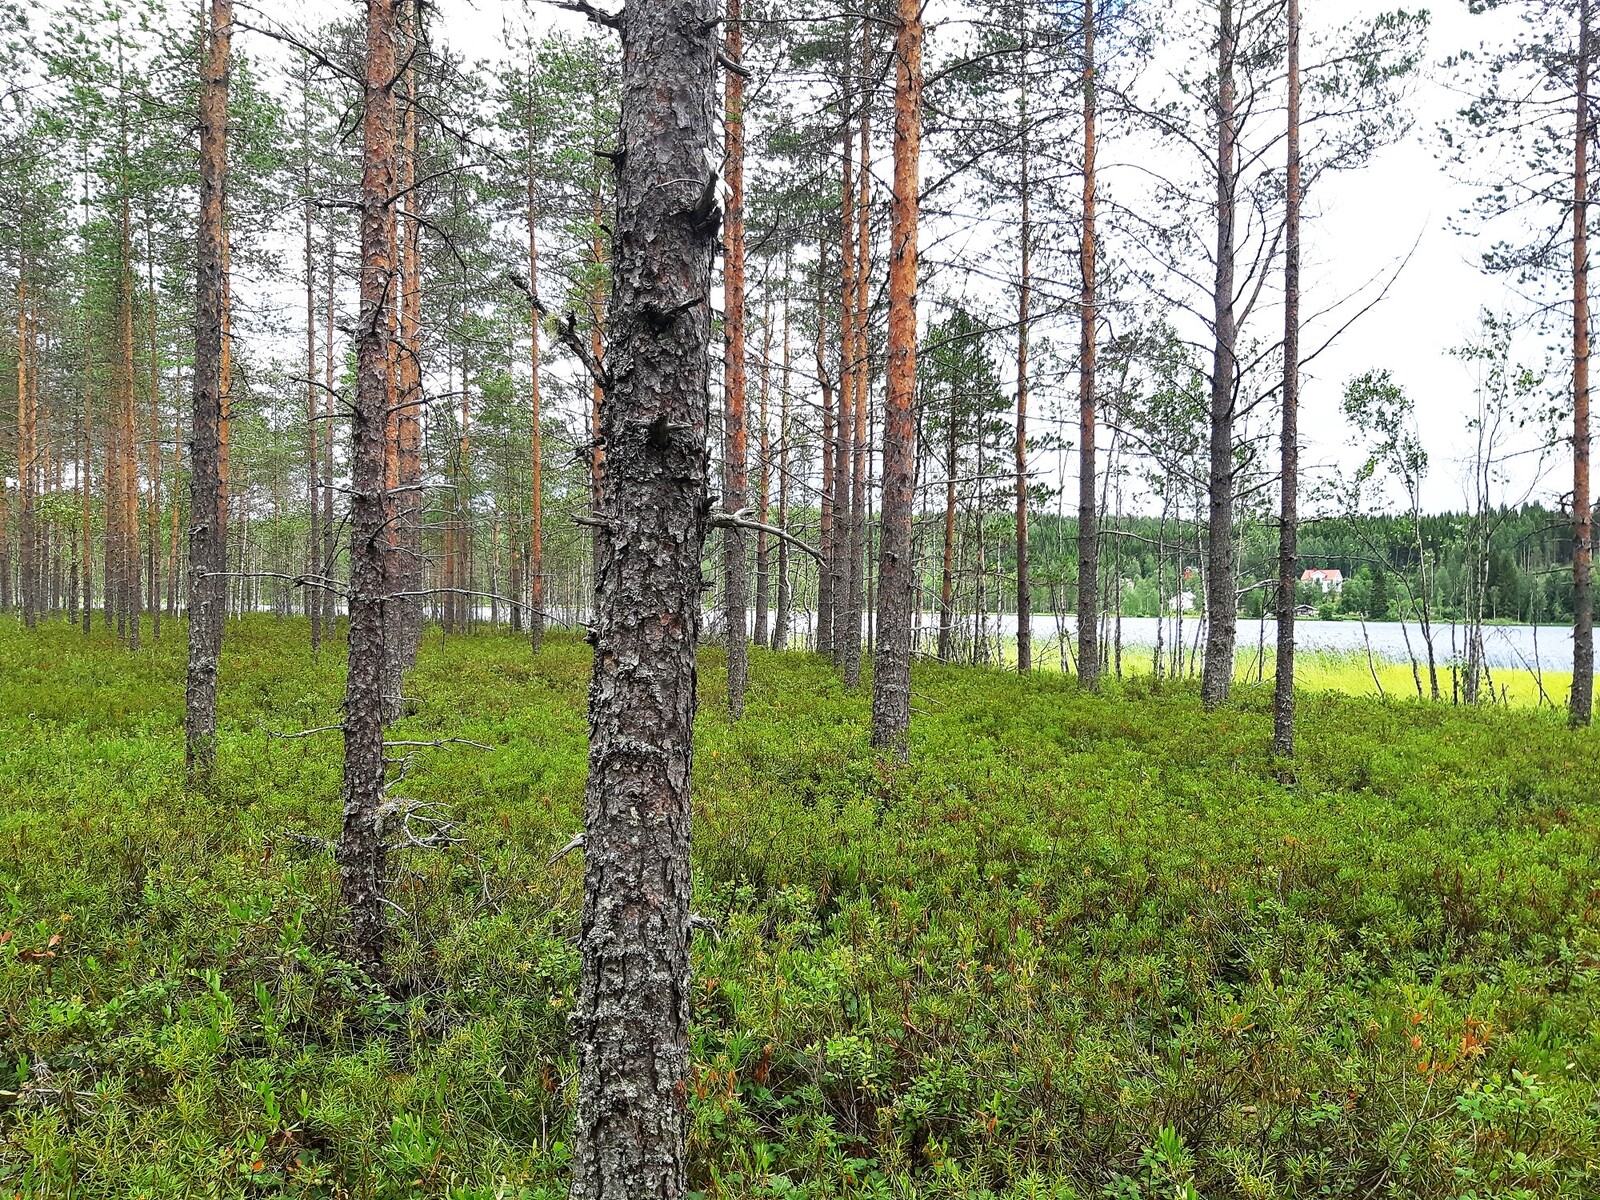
x=1525, y=647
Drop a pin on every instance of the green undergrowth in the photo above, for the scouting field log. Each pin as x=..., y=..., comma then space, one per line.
x=1079, y=946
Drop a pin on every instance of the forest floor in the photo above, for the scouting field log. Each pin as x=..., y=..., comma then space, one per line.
x=1078, y=947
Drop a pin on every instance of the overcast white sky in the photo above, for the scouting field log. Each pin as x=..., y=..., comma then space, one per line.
x=1362, y=224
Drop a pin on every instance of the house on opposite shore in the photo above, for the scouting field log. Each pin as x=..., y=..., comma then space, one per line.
x=1329, y=580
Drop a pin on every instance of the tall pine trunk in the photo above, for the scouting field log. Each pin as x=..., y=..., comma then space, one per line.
x=128, y=440
x=207, y=498
x=1289, y=517
x=1024, y=312
x=361, y=850
x=826, y=504
x=785, y=593
x=1221, y=602
x=844, y=421
x=85, y=498
x=1088, y=526
x=26, y=453
x=855, y=577
x=329, y=600
x=764, y=480
x=735, y=567
x=891, y=672
x=536, y=618
x=631, y=1018
x=313, y=594
x=153, y=443
x=407, y=568
x=947, y=573
x=1582, y=697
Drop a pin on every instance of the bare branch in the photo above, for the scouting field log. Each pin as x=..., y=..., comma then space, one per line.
x=739, y=520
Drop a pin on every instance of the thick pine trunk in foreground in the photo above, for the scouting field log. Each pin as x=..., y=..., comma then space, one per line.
x=361, y=850
x=1289, y=518
x=891, y=671
x=1088, y=526
x=207, y=499
x=1582, y=697
x=631, y=1019
x=735, y=450
x=1221, y=603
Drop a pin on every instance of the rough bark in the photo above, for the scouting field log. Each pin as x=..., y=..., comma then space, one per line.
x=826, y=501
x=844, y=420
x=313, y=595
x=329, y=601
x=361, y=850
x=207, y=498
x=128, y=439
x=5, y=542
x=764, y=481
x=597, y=303
x=855, y=593
x=219, y=611
x=1088, y=527
x=536, y=621
x=632, y=1012
x=86, y=530
x=407, y=568
x=395, y=612
x=785, y=595
x=1581, y=699
x=153, y=441
x=26, y=521
x=1024, y=312
x=891, y=670
x=735, y=565
x=1289, y=517
x=1221, y=603
x=947, y=573
x=174, y=507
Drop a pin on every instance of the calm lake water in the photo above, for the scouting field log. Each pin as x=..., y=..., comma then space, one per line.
x=1547, y=647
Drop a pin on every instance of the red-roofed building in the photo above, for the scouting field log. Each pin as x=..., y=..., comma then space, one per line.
x=1329, y=580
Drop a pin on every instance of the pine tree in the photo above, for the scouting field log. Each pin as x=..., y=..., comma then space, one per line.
x=632, y=1012
x=207, y=472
